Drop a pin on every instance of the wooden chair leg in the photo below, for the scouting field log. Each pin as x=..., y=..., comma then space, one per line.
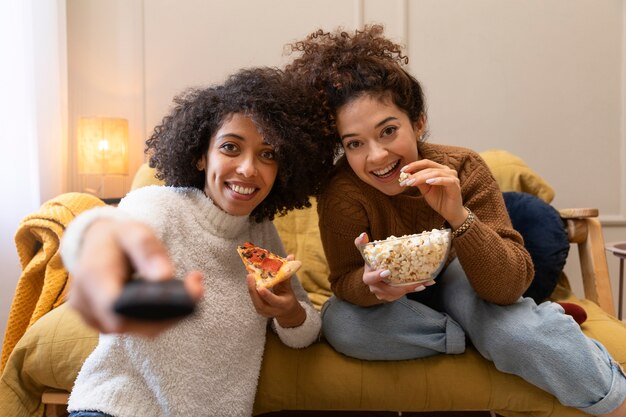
x=55, y=403
x=55, y=410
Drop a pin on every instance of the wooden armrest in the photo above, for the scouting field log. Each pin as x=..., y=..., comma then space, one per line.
x=578, y=213
x=584, y=229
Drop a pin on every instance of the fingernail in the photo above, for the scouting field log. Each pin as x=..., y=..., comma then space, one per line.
x=385, y=273
x=429, y=283
x=431, y=180
x=420, y=288
x=409, y=182
x=403, y=168
x=362, y=235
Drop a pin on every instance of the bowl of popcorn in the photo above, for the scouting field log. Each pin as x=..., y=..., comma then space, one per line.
x=411, y=259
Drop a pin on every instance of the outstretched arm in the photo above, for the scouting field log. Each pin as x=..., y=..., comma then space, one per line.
x=101, y=249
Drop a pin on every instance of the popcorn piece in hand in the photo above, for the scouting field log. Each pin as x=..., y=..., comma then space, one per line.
x=403, y=176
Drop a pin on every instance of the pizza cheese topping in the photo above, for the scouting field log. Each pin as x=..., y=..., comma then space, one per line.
x=269, y=269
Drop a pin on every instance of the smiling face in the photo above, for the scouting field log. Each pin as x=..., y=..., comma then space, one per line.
x=240, y=166
x=378, y=139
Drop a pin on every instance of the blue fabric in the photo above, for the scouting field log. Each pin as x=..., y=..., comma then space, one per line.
x=545, y=238
x=425, y=331
x=88, y=414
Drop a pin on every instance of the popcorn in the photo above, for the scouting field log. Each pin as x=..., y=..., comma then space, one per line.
x=410, y=258
x=403, y=176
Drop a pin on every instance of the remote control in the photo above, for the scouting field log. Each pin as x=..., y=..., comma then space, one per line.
x=153, y=301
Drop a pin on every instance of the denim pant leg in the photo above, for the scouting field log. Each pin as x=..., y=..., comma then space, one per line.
x=404, y=329
x=538, y=343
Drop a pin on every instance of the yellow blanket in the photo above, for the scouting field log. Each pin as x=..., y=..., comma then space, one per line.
x=42, y=284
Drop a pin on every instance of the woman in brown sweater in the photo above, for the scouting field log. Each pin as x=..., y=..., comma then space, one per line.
x=376, y=112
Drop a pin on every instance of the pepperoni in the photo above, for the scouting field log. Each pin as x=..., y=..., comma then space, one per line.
x=261, y=258
x=257, y=255
x=272, y=265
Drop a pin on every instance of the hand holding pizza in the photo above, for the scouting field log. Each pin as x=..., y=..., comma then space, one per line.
x=267, y=270
x=279, y=303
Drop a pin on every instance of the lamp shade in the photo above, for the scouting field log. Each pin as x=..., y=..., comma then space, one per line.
x=102, y=145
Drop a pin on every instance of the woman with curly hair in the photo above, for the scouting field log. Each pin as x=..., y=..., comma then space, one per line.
x=232, y=156
x=378, y=115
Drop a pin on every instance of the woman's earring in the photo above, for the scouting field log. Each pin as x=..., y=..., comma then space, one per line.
x=200, y=165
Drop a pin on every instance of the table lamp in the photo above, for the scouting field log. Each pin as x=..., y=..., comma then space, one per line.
x=102, y=147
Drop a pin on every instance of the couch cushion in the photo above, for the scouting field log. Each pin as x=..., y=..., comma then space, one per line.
x=512, y=174
x=301, y=236
x=145, y=176
x=319, y=378
x=545, y=238
x=49, y=355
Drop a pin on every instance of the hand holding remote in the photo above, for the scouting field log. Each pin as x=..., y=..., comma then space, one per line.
x=110, y=250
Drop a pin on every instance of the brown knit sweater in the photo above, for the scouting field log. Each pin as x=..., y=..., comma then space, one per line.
x=491, y=252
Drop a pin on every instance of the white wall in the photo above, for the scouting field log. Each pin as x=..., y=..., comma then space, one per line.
x=105, y=69
x=539, y=78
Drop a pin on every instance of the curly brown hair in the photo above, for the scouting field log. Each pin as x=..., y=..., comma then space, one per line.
x=283, y=113
x=342, y=66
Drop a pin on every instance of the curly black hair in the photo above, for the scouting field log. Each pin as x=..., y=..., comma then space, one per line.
x=342, y=66
x=285, y=116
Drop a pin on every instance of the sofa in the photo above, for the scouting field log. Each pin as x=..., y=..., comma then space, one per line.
x=39, y=370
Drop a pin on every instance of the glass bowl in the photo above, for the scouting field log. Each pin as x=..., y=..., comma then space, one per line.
x=411, y=259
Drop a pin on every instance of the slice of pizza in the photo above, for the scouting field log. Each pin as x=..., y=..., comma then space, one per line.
x=268, y=268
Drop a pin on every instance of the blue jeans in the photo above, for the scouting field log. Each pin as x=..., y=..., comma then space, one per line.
x=88, y=414
x=536, y=342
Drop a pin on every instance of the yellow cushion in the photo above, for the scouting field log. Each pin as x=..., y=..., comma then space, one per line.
x=145, y=176
x=49, y=355
x=512, y=174
x=300, y=234
x=319, y=378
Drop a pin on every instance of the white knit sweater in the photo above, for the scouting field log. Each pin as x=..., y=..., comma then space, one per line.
x=207, y=365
